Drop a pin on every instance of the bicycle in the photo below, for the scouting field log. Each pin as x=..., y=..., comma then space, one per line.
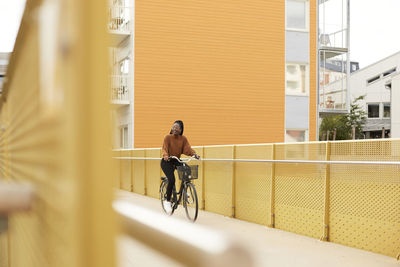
x=187, y=190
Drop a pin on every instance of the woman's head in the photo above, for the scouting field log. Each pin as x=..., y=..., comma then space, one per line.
x=177, y=128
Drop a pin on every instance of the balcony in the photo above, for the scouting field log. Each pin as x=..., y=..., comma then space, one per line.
x=119, y=23
x=333, y=47
x=119, y=89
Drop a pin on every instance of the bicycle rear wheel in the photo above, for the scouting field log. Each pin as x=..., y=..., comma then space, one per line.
x=163, y=196
x=190, y=202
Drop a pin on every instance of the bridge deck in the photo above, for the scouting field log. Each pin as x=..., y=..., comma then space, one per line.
x=270, y=247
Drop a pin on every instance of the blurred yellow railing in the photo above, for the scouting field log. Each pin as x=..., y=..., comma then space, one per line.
x=54, y=137
x=353, y=204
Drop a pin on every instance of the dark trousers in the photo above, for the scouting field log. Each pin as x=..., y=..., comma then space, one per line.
x=168, y=168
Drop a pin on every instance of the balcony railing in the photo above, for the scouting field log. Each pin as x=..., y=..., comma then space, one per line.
x=119, y=19
x=119, y=89
x=335, y=39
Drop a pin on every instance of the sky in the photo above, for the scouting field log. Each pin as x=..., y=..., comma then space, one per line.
x=374, y=29
x=10, y=18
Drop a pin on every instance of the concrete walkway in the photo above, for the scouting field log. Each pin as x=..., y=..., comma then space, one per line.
x=270, y=247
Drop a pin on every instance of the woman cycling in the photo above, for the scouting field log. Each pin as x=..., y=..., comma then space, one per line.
x=174, y=144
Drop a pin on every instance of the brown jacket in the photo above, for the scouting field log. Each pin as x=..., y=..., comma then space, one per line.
x=175, y=145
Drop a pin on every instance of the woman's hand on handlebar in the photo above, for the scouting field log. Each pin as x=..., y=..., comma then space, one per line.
x=196, y=156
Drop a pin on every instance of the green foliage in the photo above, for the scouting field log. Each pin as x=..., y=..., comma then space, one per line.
x=343, y=123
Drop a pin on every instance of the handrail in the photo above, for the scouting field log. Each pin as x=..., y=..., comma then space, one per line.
x=284, y=161
x=187, y=243
x=184, y=160
x=16, y=197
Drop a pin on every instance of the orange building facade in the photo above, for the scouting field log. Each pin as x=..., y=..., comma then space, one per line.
x=226, y=69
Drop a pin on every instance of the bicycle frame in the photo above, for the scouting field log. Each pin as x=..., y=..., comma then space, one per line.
x=180, y=193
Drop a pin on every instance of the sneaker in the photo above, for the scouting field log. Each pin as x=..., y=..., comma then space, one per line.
x=167, y=206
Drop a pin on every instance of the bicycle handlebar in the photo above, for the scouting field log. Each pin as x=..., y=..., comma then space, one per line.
x=182, y=160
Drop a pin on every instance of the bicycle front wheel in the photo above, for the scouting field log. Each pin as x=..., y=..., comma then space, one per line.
x=190, y=202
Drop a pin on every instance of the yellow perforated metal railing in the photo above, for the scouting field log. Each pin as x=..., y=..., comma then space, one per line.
x=356, y=205
x=54, y=135
x=365, y=210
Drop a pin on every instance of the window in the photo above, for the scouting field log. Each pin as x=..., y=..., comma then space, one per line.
x=386, y=73
x=296, y=79
x=297, y=14
x=295, y=136
x=386, y=110
x=373, y=110
x=373, y=79
x=124, y=66
x=123, y=133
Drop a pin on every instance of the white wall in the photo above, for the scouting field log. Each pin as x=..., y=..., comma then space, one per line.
x=376, y=91
x=395, y=123
x=123, y=115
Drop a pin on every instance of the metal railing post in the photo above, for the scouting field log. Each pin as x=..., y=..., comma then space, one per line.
x=234, y=184
x=132, y=173
x=272, y=225
x=325, y=236
x=203, y=192
x=145, y=173
x=120, y=172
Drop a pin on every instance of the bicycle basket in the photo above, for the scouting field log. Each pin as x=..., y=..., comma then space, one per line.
x=187, y=172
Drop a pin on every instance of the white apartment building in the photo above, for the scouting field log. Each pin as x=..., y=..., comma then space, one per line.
x=395, y=104
x=300, y=58
x=372, y=81
x=4, y=57
x=121, y=26
x=375, y=82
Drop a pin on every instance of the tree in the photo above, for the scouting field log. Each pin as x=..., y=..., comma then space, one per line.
x=343, y=123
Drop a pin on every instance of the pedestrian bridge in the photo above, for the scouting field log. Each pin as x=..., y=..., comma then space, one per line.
x=339, y=192
x=261, y=245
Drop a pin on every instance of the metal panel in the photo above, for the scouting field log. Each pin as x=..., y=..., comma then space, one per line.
x=126, y=172
x=296, y=112
x=299, y=189
x=365, y=211
x=117, y=169
x=297, y=47
x=3, y=248
x=253, y=184
x=138, y=172
x=218, y=180
x=153, y=171
x=56, y=137
x=313, y=119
